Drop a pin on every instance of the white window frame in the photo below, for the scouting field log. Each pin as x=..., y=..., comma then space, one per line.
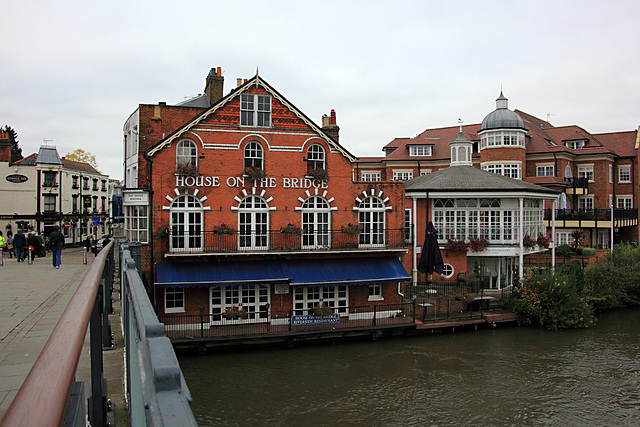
x=448, y=271
x=136, y=220
x=545, y=170
x=306, y=298
x=624, y=174
x=402, y=175
x=586, y=171
x=375, y=292
x=624, y=202
x=563, y=238
x=370, y=176
x=255, y=110
x=49, y=203
x=253, y=299
x=575, y=144
x=177, y=295
x=585, y=203
x=372, y=217
x=510, y=170
x=186, y=153
x=316, y=223
x=253, y=223
x=316, y=157
x=408, y=225
x=187, y=224
x=420, y=151
x=254, y=155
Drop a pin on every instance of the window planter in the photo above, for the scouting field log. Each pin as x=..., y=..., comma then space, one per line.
x=455, y=245
x=254, y=173
x=291, y=230
x=352, y=229
x=318, y=175
x=223, y=229
x=187, y=170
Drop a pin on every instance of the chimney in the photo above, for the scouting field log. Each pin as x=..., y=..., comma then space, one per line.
x=5, y=148
x=214, y=85
x=330, y=126
x=238, y=82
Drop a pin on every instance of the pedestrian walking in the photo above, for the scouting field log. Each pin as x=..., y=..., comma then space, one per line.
x=32, y=245
x=3, y=243
x=19, y=242
x=10, y=247
x=56, y=242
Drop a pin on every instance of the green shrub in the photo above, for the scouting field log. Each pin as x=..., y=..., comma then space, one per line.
x=615, y=282
x=553, y=300
x=588, y=251
x=565, y=251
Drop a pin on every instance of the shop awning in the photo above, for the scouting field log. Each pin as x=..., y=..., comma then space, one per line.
x=196, y=274
x=347, y=271
x=317, y=272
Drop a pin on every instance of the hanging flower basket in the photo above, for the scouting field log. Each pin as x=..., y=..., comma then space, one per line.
x=322, y=310
x=477, y=245
x=163, y=231
x=187, y=170
x=292, y=230
x=254, y=172
x=352, y=229
x=455, y=245
x=223, y=229
x=542, y=241
x=528, y=242
x=319, y=175
x=233, y=312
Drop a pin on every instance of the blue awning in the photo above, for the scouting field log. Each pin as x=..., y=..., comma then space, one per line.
x=194, y=274
x=301, y=272
x=346, y=271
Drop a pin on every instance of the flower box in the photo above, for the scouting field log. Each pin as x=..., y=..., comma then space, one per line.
x=254, y=172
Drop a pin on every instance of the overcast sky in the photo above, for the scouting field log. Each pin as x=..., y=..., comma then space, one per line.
x=72, y=72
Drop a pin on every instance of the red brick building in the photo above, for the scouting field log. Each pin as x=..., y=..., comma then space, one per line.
x=593, y=172
x=253, y=210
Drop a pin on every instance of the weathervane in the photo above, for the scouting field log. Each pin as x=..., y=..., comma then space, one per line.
x=460, y=123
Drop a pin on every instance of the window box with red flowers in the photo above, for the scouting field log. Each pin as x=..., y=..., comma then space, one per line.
x=477, y=245
x=456, y=245
x=542, y=241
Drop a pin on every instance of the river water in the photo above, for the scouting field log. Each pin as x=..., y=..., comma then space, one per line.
x=504, y=376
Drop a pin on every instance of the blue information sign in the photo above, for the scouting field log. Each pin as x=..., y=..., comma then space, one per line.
x=95, y=221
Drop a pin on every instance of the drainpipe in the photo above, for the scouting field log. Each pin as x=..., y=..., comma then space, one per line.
x=151, y=239
x=553, y=233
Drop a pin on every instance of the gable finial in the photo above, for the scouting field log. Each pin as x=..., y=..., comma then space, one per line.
x=257, y=76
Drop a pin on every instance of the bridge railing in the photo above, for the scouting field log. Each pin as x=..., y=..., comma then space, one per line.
x=50, y=395
x=155, y=387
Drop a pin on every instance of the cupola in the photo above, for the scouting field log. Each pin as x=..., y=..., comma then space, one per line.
x=461, y=150
x=502, y=117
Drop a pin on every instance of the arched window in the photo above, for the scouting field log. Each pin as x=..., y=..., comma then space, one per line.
x=316, y=223
x=315, y=157
x=186, y=223
x=186, y=153
x=371, y=218
x=253, y=223
x=253, y=155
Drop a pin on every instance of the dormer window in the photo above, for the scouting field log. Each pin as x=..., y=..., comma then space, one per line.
x=419, y=151
x=575, y=144
x=255, y=110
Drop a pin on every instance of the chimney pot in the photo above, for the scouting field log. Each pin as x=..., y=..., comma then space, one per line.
x=333, y=117
x=239, y=82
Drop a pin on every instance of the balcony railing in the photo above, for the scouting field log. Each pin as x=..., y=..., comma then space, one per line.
x=592, y=214
x=580, y=182
x=333, y=240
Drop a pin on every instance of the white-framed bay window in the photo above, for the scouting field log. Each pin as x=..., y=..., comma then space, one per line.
x=511, y=170
x=136, y=223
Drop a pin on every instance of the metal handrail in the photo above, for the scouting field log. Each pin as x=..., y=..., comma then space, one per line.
x=43, y=396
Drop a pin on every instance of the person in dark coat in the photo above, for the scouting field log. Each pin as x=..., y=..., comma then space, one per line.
x=33, y=243
x=19, y=242
x=56, y=242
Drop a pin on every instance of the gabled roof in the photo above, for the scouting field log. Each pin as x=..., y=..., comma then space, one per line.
x=30, y=160
x=256, y=81
x=438, y=138
x=79, y=167
x=467, y=179
x=623, y=144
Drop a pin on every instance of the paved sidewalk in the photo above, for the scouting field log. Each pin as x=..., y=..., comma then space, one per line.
x=32, y=299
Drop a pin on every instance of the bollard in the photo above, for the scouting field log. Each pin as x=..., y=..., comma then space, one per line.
x=84, y=261
x=29, y=259
x=1, y=258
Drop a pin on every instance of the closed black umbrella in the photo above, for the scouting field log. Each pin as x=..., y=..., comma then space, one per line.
x=430, y=258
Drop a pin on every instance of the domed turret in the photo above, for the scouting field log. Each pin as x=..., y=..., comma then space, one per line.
x=502, y=117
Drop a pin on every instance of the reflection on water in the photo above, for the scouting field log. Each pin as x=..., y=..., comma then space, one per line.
x=508, y=376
